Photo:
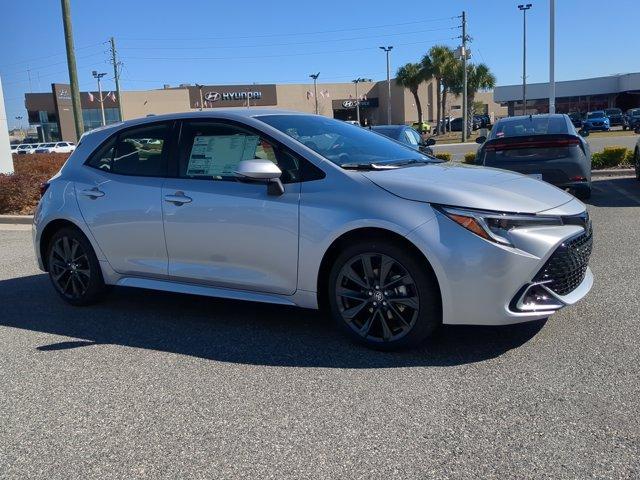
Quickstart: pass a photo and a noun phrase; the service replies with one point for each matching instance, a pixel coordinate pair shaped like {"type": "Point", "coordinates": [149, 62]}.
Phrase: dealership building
{"type": "Point", "coordinates": [589, 94]}
{"type": "Point", "coordinates": [52, 113]}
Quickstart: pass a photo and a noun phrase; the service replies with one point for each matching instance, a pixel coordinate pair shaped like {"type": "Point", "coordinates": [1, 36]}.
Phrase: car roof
{"type": "Point", "coordinates": [237, 113]}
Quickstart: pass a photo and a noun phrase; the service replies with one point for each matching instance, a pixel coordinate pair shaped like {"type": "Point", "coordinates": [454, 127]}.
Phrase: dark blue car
{"type": "Point", "coordinates": [597, 120]}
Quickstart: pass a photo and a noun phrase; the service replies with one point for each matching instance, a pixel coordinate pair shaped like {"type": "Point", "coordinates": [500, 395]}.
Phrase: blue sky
{"type": "Point", "coordinates": [215, 42]}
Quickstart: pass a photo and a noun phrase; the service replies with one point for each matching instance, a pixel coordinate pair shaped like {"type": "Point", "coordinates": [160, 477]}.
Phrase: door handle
{"type": "Point", "coordinates": [178, 198]}
{"type": "Point", "coordinates": [92, 193]}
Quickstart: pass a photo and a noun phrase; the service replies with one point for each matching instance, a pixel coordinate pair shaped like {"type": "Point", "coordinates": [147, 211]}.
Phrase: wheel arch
{"type": "Point", "coordinates": [359, 235]}
{"type": "Point", "coordinates": [47, 233]}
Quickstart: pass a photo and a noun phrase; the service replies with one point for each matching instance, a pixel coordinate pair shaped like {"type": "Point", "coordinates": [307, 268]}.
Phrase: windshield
{"type": "Point", "coordinates": [342, 143]}
{"type": "Point", "coordinates": [518, 126]}
{"type": "Point", "coordinates": [595, 115]}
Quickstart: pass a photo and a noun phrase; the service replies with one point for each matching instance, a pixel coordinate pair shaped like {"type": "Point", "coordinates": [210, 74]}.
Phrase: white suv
{"type": "Point", "coordinates": [58, 147]}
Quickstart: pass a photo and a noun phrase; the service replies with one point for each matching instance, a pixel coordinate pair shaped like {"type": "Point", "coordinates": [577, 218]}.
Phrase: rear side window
{"type": "Point", "coordinates": [529, 126]}
{"type": "Point", "coordinates": [138, 151]}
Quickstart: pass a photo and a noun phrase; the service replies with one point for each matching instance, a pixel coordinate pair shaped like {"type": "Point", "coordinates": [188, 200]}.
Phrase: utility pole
{"type": "Point", "coordinates": [201, 98]}
{"type": "Point", "coordinates": [464, 77]}
{"type": "Point", "coordinates": [116, 75]}
{"type": "Point", "coordinates": [73, 71]}
{"type": "Point", "coordinates": [524, 9]}
{"type": "Point", "coordinates": [552, 56]}
{"type": "Point", "coordinates": [315, 76]}
{"type": "Point", "coordinates": [387, 50]}
{"type": "Point", "coordinates": [29, 75]}
{"type": "Point", "coordinates": [100, 99]}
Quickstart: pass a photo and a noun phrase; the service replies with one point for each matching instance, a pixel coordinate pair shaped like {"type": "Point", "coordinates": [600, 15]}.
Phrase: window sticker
{"type": "Point", "coordinates": [219, 155]}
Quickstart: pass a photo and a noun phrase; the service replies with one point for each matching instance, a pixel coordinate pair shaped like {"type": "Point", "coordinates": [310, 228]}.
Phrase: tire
{"type": "Point", "coordinates": [584, 193]}
{"type": "Point", "coordinates": [73, 267]}
{"type": "Point", "coordinates": [637, 164]}
{"type": "Point", "coordinates": [388, 310]}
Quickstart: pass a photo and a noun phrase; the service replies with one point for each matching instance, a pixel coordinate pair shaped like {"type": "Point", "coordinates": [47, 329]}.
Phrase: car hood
{"type": "Point", "coordinates": [470, 186]}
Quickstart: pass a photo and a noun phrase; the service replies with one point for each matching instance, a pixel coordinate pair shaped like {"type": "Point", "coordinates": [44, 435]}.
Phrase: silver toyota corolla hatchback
{"type": "Point", "coordinates": [298, 209]}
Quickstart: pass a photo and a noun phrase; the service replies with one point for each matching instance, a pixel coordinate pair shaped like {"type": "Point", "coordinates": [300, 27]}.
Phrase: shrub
{"type": "Point", "coordinates": [611, 157]}
{"type": "Point", "coordinates": [470, 157]}
{"type": "Point", "coordinates": [20, 191]}
{"type": "Point", "coordinates": [444, 156]}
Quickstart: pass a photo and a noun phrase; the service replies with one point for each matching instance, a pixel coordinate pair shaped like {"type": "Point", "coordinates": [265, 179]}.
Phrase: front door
{"type": "Point", "coordinates": [119, 194]}
{"type": "Point", "coordinates": [225, 232]}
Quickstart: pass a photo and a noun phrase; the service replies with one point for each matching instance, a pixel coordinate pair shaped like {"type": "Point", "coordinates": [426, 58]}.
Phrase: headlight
{"type": "Point", "coordinates": [495, 226]}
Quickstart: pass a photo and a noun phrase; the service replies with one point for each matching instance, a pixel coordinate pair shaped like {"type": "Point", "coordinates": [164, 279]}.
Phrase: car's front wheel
{"type": "Point", "coordinates": [74, 268]}
{"type": "Point", "coordinates": [384, 296]}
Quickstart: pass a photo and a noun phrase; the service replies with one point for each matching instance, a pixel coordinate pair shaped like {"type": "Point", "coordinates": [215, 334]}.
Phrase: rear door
{"type": "Point", "coordinates": [119, 191]}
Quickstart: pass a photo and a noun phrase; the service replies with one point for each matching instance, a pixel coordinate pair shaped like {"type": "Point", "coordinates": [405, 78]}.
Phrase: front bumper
{"type": "Point", "coordinates": [479, 280]}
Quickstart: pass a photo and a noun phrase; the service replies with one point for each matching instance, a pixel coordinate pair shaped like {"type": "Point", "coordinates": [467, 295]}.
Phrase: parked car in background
{"type": "Point", "coordinates": [576, 119]}
{"type": "Point", "coordinates": [423, 127]}
{"type": "Point", "coordinates": [456, 124]}
{"type": "Point", "coordinates": [484, 121]}
{"type": "Point", "coordinates": [596, 120]}
{"type": "Point", "coordinates": [546, 147]}
{"type": "Point", "coordinates": [633, 118]}
{"type": "Point", "coordinates": [615, 116]}
{"type": "Point", "coordinates": [56, 147]}
{"type": "Point", "coordinates": [407, 136]}
{"type": "Point", "coordinates": [27, 148]}
{"type": "Point", "coordinates": [636, 157]}
{"type": "Point", "coordinates": [298, 209]}
{"type": "Point", "coordinates": [14, 147]}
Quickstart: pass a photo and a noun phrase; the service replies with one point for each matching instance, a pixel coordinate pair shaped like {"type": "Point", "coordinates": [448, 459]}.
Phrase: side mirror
{"type": "Point", "coordinates": [583, 132]}
{"type": "Point", "coordinates": [261, 171]}
{"type": "Point", "coordinates": [481, 139]}
{"type": "Point", "coordinates": [430, 141]}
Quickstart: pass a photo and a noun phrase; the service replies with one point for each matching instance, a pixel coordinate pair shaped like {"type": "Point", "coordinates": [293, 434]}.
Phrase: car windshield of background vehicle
{"type": "Point", "coordinates": [522, 126]}
{"type": "Point", "coordinates": [342, 143]}
{"type": "Point", "coordinates": [595, 115]}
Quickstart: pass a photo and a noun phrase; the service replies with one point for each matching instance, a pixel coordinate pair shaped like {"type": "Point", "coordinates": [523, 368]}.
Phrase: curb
{"type": "Point", "coordinates": [16, 219]}
{"type": "Point", "coordinates": [613, 172]}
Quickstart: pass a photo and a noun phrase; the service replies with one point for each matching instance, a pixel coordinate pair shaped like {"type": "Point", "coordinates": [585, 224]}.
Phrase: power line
{"type": "Point", "coordinates": [287, 54]}
{"type": "Point", "coordinates": [312, 42]}
{"type": "Point", "coordinates": [288, 34]}
{"type": "Point", "coordinates": [29, 60]}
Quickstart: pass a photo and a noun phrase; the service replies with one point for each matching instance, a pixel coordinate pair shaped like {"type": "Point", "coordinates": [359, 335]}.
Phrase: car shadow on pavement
{"type": "Point", "coordinates": [615, 192]}
{"type": "Point", "coordinates": [231, 331]}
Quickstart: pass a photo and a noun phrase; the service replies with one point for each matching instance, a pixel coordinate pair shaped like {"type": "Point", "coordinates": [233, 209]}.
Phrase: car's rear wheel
{"type": "Point", "coordinates": [383, 296]}
{"type": "Point", "coordinates": [74, 268]}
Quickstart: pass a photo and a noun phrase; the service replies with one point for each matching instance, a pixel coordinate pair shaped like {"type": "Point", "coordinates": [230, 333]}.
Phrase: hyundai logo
{"type": "Point", "coordinates": [231, 96]}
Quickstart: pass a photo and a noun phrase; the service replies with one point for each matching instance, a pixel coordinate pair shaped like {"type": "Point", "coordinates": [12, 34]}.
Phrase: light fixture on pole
{"type": "Point", "coordinates": [524, 9]}
{"type": "Point", "coordinates": [19, 119]}
{"type": "Point", "coordinates": [98, 76]}
{"type": "Point", "coordinates": [315, 76]}
{"type": "Point", "coordinates": [387, 50]}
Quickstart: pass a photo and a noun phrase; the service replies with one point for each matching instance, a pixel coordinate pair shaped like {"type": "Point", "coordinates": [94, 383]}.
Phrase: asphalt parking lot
{"type": "Point", "coordinates": [155, 385]}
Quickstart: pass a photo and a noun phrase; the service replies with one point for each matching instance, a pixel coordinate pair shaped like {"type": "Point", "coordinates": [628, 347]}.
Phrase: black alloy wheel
{"type": "Point", "coordinates": [383, 296]}
{"type": "Point", "coordinates": [74, 268]}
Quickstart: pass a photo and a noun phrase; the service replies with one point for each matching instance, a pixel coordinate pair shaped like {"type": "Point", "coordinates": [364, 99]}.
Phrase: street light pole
{"type": "Point", "coordinates": [100, 99]}
{"type": "Point", "coordinates": [315, 88]}
{"type": "Point", "coordinates": [552, 56]}
{"type": "Point", "coordinates": [387, 50]}
{"type": "Point", "coordinates": [524, 9]}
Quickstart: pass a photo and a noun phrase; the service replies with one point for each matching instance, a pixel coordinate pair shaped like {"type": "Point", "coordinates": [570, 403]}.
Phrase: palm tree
{"type": "Point", "coordinates": [441, 61]}
{"type": "Point", "coordinates": [479, 77]}
{"type": "Point", "coordinates": [410, 76]}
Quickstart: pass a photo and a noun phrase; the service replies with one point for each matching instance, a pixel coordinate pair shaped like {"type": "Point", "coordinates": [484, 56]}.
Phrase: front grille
{"type": "Point", "coordinates": [567, 266]}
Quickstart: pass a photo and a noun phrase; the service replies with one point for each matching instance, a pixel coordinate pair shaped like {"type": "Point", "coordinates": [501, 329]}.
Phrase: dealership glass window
{"type": "Point", "coordinates": [140, 152]}
{"type": "Point", "coordinates": [92, 117]}
{"type": "Point", "coordinates": [212, 151]}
